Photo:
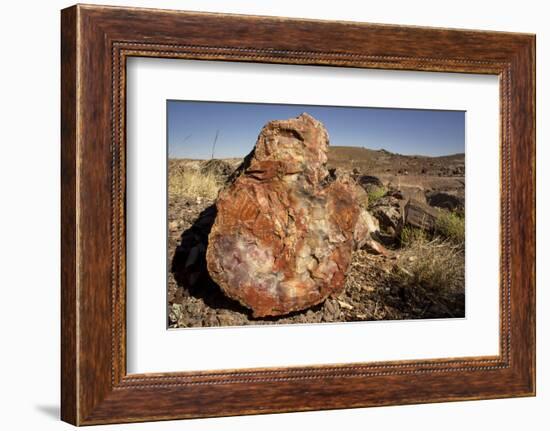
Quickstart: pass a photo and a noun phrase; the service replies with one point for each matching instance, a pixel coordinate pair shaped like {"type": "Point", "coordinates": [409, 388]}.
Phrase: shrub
{"type": "Point", "coordinates": [375, 193]}
{"type": "Point", "coordinates": [193, 183]}
{"type": "Point", "coordinates": [451, 226]}
{"type": "Point", "coordinates": [411, 235]}
{"type": "Point", "coordinates": [430, 272]}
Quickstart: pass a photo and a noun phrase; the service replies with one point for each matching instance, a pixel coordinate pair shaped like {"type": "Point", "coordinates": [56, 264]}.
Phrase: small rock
{"type": "Point", "coordinates": [330, 307]}
{"type": "Point", "coordinates": [403, 270]}
{"type": "Point", "coordinates": [345, 305]}
{"type": "Point", "coordinates": [375, 247]}
{"type": "Point", "coordinates": [211, 320]}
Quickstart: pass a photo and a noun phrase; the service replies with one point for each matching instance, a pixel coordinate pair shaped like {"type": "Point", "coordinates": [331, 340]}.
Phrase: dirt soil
{"type": "Point", "coordinates": [364, 298]}
{"type": "Point", "coordinates": [368, 293]}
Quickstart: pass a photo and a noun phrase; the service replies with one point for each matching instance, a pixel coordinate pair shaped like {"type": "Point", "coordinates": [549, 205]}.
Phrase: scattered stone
{"type": "Point", "coordinates": [284, 232]}
{"type": "Point", "coordinates": [192, 305]}
{"type": "Point", "coordinates": [175, 313]}
{"type": "Point", "coordinates": [459, 170]}
{"type": "Point", "coordinates": [375, 247]}
{"type": "Point", "coordinates": [331, 307]}
{"type": "Point", "coordinates": [345, 305]}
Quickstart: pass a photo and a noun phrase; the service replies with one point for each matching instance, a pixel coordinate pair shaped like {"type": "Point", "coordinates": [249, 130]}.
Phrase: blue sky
{"type": "Point", "coordinates": [192, 128]}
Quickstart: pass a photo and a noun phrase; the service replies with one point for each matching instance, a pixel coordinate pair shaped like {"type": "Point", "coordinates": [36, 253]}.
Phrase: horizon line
{"type": "Point", "coordinates": [330, 146]}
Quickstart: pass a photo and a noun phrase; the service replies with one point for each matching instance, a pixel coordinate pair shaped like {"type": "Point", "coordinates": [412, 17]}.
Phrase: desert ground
{"type": "Point", "coordinates": [418, 273]}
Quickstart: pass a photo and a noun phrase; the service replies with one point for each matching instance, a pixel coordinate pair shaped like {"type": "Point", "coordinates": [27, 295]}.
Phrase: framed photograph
{"type": "Point", "coordinates": [264, 214]}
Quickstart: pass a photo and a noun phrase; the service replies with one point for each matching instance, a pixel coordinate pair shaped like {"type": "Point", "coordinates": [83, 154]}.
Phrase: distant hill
{"type": "Point", "coordinates": [382, 161]}
{"type": "Point", "coordinates": [376, 162]}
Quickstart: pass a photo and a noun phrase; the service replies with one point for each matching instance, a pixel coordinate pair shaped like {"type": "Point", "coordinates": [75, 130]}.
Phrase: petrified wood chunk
{"type": "Point", "coordinates": [284, 231]}
{"type": "Point", "coordinates": [420, 215]}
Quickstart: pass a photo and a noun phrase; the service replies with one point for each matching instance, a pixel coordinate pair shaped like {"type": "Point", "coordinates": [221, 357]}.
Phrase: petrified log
{"type": "Point", "coordinates": [285, 230]}
{"type": "Point", "coordinates": [420, 215]}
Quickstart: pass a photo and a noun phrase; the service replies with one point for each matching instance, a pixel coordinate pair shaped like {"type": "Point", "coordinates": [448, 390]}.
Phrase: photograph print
{"type": "Point", "coordinates": [283, 214]}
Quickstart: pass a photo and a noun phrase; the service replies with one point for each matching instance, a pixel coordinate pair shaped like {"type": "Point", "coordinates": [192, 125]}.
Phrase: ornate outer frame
{"type": "Point", "coordinates": [96, 41]}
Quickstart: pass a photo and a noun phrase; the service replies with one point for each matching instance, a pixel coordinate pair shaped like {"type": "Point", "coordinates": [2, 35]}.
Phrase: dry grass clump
{"type": "Point", "coordinates": [411, 236]}
{"type": "Point", "coordinates": [193, 183]}
{"type": "Point", "coordinates": [433, 265]}
{"type": "Point", "coordinates": [430, 272]}
{"type": "Point", "coordinates": [451, 226]}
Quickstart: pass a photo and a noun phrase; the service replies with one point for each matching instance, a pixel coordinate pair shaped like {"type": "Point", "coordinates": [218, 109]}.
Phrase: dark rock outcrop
{"type": "Point", "coordinates": [420, 215]}
{"type": "Point", "coordinates": [447, 200]}
{"type": "Point", "coordinates": [369, 181]}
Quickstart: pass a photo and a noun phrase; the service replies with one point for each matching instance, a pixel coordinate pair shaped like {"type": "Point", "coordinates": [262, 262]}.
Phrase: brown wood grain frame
{"type": "Point", "coordinates": [96, 41]}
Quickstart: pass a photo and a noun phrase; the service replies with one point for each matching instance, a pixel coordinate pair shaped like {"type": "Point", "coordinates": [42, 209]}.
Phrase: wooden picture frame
{"type": "Point", "coordinates": [95, 43]}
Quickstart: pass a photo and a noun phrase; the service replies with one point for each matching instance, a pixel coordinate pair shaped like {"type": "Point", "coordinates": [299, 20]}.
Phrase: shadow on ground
{"type": "Point", "coordinates": [189, 265]}
{"type": "Point", "coordinates": [52, 411]}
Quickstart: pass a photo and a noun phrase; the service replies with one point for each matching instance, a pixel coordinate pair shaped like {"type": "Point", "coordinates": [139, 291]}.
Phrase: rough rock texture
{"type": "Point", "coordinates": [447, 200]}
{"type": "Point", "coordinates": [369, 182]}
{"type": "Point", "coordinates": [285, 230]}
{"type": "Point", "coordinates": [375, 247]}
{"type": "Point", "coordinates": [420, 215]}
{"type": "Point", "coordinates": [388, 210]}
